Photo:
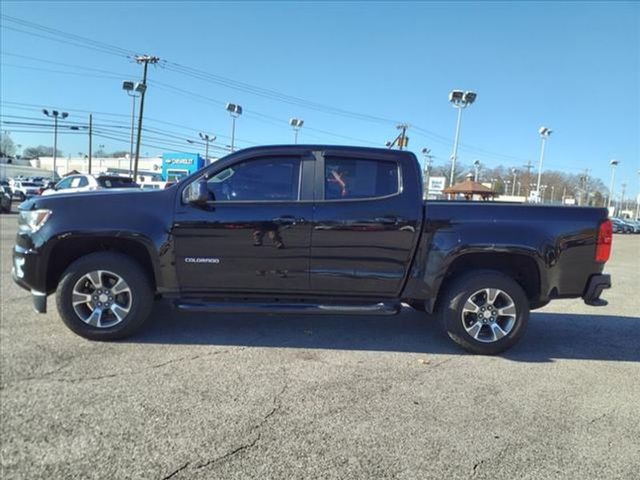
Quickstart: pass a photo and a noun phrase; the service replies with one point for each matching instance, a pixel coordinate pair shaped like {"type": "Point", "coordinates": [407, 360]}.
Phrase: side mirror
{"type": "Point", "coordinates": [198, 192]}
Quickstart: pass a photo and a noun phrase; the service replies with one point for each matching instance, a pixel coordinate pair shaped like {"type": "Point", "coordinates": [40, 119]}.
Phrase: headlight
{"type": "Point", "coordinates": [32, 220]}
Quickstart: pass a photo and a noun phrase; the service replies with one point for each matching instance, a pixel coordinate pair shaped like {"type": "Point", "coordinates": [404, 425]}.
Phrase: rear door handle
{"type": "Point", "coordinates": [387, 220]}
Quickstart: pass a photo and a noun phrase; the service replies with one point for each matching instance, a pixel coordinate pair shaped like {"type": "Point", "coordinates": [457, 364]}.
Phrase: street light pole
{"type": "Point", "coordinates": [55, 114]}
{"type": "Point", "coordinates": [90, 140]}
{"type": "Point", "coordinates": [614, 163]}
{"type": "Point", "coordinates": [235, 111]}
{"type": "Point", "coordinates": [544, 134]}
{"type": "Point", "coordinates": [130, 87]}
{"type": "Point", "coordinates": [296, 124]}
{"type": "Point", "coordinates": [459, 100]}
{"type": "Point", "coordinates": [207, 138]}
{"type": "Point", "coordinates": [476, 165]}
{"type": "Point", "coordinates": [515, 176]}
{"type": "Point", "coordinates": [638, 201]}
{"type": "Point", "coordinates": [428, 159]}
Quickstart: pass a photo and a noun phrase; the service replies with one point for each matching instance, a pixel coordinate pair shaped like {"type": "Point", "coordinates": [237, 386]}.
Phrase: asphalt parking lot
{"type": "Point", "coordinates": [237, 397]}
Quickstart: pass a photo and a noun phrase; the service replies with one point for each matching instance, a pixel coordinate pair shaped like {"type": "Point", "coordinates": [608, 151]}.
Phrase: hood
{"type": "Point", "coordinates": [119, 197]}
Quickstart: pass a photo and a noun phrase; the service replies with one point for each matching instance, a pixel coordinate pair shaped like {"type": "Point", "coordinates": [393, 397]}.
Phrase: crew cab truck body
{"type": "Point", "coordinates": [308, 229]}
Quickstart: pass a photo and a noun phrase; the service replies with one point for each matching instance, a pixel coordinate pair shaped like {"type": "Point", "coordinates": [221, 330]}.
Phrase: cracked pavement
{"type": "Point", "coordinates": [197, 396]}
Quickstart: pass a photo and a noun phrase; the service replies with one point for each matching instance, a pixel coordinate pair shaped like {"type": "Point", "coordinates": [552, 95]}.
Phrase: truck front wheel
{"type": "Point", "coordinates": [104, 296]}
{"type": "Point", "coordinates": [484, 312]}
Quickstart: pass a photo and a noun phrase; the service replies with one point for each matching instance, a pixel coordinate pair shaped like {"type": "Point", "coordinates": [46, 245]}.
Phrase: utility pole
{"type": "Point", "coordinates": [145, 60]}
{"type": "Point", "coordinates": [401, 140]}
{"type": "Point", "coordinates": [90, 139]}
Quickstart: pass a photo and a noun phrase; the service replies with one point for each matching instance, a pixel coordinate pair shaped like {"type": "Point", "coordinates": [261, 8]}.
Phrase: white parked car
{"type": "Point", "coordinates": [24, 189]}
{"type": "Point", "coordinates": [86, 183]}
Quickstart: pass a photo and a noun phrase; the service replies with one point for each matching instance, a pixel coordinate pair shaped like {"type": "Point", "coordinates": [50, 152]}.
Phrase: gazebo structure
{"type": "Point", "coordinates": [469, 188]}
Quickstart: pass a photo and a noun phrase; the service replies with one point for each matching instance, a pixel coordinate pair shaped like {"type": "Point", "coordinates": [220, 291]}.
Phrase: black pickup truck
{"type": "Point", "coordinates": [308, 229]}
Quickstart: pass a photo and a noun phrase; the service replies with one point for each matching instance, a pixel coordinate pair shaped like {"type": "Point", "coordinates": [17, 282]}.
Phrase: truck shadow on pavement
{"type": "Point", "coordinates": [550, 336]}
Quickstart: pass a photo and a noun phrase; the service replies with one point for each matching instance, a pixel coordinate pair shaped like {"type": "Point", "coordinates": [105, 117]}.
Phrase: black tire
{"type": "Point", "coordinates": [450, 311]}
{"type": "Point", "coordinates": [139, 283]}
{"type": "Point", "coordinates": [21, 197]}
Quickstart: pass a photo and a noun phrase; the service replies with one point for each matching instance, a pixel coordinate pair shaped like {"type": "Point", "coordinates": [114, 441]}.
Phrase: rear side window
{"type": "Point", "coordinates": [348, 178]}
{"type": "Point", "coordinates": [116, 182]}
{"type": "Point", "coordinates": [264, 179]}
{"type": "Point", "coordinates": [78, 182]}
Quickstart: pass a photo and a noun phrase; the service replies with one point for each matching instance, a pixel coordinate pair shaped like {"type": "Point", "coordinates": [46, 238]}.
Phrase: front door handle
{"type": "Point", "coordinates": [287, 220]}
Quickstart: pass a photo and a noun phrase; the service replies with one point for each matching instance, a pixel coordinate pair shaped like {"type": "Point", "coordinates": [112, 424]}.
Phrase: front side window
{"type": "Point", "coordinates": [265, 179]}
{"type": "Point", "coordinates": [348, 178]}
{"type": "Point", "coordinates": [64, 184]}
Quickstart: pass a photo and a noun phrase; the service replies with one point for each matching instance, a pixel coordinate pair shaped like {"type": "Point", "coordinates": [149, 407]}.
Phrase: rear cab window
{"type": "Point", "coordinates": [354, 178]}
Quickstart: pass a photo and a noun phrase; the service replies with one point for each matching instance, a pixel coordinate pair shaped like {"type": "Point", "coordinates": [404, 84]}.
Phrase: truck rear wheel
{"type": "Point", "coordinates": [484, 312]}
{"type": "Point", "coordinates": [104, 296]}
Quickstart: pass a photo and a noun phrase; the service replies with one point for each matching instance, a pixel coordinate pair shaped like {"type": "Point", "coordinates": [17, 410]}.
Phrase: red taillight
{"type": "Point", "coordinates": [605, 237]}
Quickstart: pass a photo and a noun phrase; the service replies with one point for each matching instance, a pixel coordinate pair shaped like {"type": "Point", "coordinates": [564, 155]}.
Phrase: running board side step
{"type": "Point", "coordinates": [381, 308]}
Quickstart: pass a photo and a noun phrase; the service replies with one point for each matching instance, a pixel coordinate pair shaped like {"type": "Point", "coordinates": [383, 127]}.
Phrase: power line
{"type": "Point", "coordinates": [79, 41]}
{"type": "Point", "coordinates": [71, 38]}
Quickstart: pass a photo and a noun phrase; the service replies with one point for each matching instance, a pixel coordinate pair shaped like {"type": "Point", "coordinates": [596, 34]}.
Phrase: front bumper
{"type": "Point", "coordinates": [27, 274]}
{"type": "Point", "coordinates": [595, 286]}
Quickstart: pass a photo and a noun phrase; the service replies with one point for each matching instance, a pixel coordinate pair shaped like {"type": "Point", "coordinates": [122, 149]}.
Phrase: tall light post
{"type": "Point", "coordinates": [638, 201]}
{"type": "Point", "coordinates": [515, 177]}
{"type": "Point", "coordinates": [131, 88]}
{"type": "Point", "coordinates": [459, 100]}
{"type": "Point", "coordinates": [428, 160]}
{"type": "Point", "coordinates": [206, 138]}
{"type": "Point", "coordinates": [544, 135]}
{"type": "Point", "coordinates": [235, 111]}
{"type": "Point", "coordinates": [614, 163]}
{"type": "Point", "coordinates": [55, 114]}
{"type": "Point", "coordinates": [296, 124]}
{"type": "Point", "coordinates": [476, 166]}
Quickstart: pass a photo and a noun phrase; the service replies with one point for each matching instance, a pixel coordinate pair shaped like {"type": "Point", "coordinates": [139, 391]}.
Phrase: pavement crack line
{"type": "Point", "coordinates": [477, 464]}
{"type": "Point", "coordinates": [277, 405]}
{"type": "Point", "coordinates": [175, 472]}
{"type": "Point", "coordinates": [47, 375]}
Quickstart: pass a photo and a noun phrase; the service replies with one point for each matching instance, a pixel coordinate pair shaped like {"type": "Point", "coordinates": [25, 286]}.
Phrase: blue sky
{"type": "Point", "coordinates": [574, 67]}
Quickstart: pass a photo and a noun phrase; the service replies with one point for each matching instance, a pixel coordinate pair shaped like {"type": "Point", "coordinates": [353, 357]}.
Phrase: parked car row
{"type": "Point", "coordinates": [25, 188]}
{"type": "Point", "coordinates": [5, 200]}
{"type": "Point", "coordinates": [87, 183]}
{"type": "Point", "coordinates": [625, 225]}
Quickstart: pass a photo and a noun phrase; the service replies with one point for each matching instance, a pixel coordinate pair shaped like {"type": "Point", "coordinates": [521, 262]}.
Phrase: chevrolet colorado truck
{"type": "Point", "coordinates": [308, 229]}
